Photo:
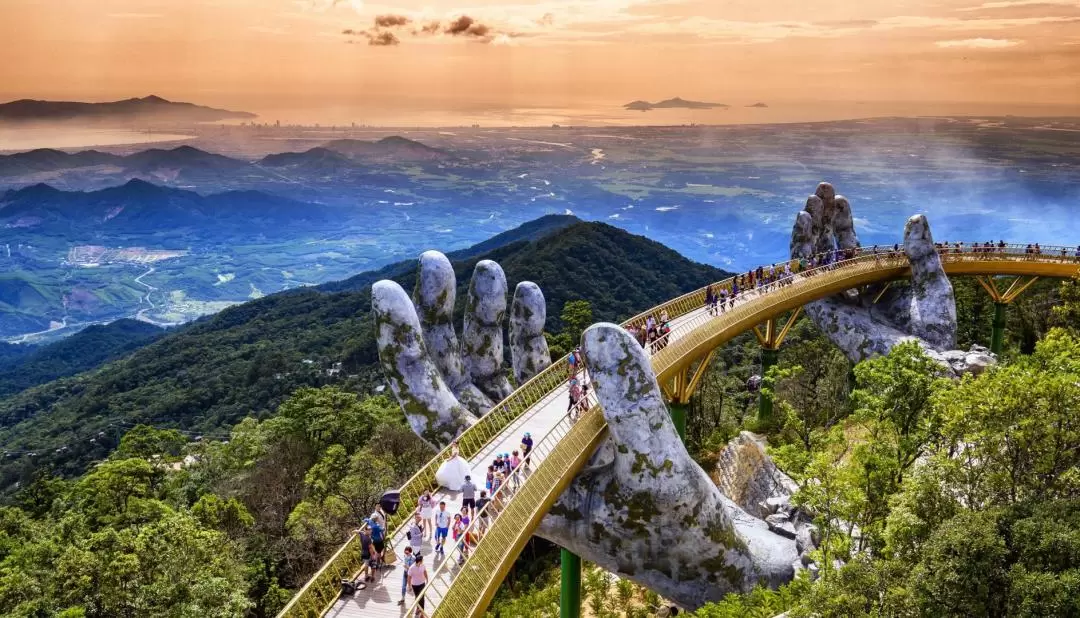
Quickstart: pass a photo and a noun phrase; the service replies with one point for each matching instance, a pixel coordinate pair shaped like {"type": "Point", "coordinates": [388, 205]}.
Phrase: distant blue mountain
{"type": "Point", "coordinates": [141, 109]}
{"type": "Point", "coordinates": [142, 207]}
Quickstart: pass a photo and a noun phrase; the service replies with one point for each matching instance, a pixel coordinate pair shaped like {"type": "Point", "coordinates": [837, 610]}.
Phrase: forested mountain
{"type": "Point", "coordinates": [140, 207]}
{"type": "Point", "coordinates": [80, 352]}
{"type": "Point", "coordinates": [247, 359]}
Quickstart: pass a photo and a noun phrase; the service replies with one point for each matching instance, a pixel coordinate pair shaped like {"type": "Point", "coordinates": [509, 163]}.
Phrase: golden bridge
{"type": "Point", "coordinates": [564, 445]}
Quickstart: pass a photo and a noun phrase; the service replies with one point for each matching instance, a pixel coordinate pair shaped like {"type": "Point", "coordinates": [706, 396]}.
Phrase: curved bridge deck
{"type": "Point", "coordinates": [562, 447]}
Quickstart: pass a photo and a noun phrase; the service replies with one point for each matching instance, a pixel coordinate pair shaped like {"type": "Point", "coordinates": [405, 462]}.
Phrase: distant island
{"type": "Point", "coordinates": [759, 104]}
{"type": "Point", "coordinates": [147, 108]}
{"type": "Point", "coordinates": [676, 103]}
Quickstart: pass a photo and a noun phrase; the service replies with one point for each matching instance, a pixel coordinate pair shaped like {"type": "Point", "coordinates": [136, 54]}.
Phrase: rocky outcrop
{"type": "Point", "coordinates": [482, 333]}
{"type": "Point", "coordinates": [644, 509]}
{"type": "Point", "coordinates": [528, 347]}
{"type": "Point", "coordinates": [747, 475]}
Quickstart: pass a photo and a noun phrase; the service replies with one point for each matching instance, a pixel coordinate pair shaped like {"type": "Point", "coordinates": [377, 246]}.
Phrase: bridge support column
{"type": "Point", "coordinates": [570, 591]}
{"type": "Point", "coordinates": [678, 417]}
{"type": "Point", "coordinates": [1001, 306]}
{"type": "Point", "coordinates": [770, 339]}
{"type": "Point", "coordinates": [997, 335]}
{"type": "Point", "coordinates": [678, 390]}
{"type": "Point", "coordinates": [769, 357]}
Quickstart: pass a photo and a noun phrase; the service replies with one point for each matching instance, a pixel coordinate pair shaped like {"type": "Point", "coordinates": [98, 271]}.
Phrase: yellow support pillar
{"type": "Point", "coordinates": [1002, 300]}
{"type": "Point", "coordinates": [770, 339]}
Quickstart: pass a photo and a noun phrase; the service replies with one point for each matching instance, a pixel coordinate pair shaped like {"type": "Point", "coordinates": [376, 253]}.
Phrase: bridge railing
{"type": "Point", "coordinates": [323, 589]}
{"type": "Point", "coordinates": [448, 569]}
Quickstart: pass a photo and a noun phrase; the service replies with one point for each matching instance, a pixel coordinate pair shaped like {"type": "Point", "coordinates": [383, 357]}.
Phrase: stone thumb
{"type": "Point", "coordinates": [649, 452]}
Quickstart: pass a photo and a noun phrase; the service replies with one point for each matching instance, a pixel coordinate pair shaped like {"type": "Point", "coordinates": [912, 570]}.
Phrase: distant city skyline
{"type": "Point", "coordinates": [555, 59]}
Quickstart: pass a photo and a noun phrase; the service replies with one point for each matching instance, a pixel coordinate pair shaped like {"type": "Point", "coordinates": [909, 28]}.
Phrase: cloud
{"type": "Point", "coordinates": [980, 43]}
{"type": "Point", "coordinates": [383, 38]}
{"type": "Point", "coordinates": [134, 15]}
{"type": "Point", "coordinates": [467, 26]}
{"type": "Point", "coordinates": [391, 21]}
{"type": "Point", "coordinates": [1009, 4]}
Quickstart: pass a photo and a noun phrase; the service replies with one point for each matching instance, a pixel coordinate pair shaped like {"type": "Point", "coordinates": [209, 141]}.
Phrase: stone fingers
{"type": "Point", "coordinates": [932, 311]}
{"type": "Point", "coordinates": [433, 296]}
{"type": "Point", "coordinates": [428, 403]}
{"type": "Point", "coordinates": [528, 349]}
{"type": "Point", "coordinates": [482, 335]}
{"type": "Point", "coordinates": [843, 224]}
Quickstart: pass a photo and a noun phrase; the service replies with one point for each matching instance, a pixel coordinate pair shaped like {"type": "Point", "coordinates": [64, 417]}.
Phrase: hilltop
{"type": "Point", "coordinates": [137, 109]}
{"type": "Point", "coordinates": [675, 103]}
{"type": "Point", "coordinates": [393, 147]}
{"type": "Point", "coordinates": [247, 359]}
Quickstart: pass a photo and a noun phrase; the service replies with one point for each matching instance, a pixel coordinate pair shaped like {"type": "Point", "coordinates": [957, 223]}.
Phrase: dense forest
{"type": "Point", "coordinates": [246, 360]}
{"type": "Point", "coordinates": [28, 366]}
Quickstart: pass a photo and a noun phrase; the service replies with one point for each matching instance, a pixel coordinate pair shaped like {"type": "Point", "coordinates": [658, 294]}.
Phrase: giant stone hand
{"type": "Point", "coordinates": [642, 508]}
{"type": "Point", "coordinates": [925, 310]}
{"type": "Point", "coordinates": [441, 385]}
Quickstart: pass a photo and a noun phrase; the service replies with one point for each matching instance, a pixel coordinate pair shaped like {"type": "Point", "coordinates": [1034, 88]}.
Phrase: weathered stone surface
{"type": "Point", "coordinates": [482, 334]}
{"type": "Point", "coordinates": [924, 311]}
{"type": "Point", "coordinates": [643, 509]}
{"type": "Point", "coordinates": [932, 312]}
{"type": "Point", "coordinates": [433, 297]}
{"type": "Point", "coordinates": [807, 539]}
{"type": "Point", "coordinates": [746, 474]}
{"type": "Point", "coordinates": [528, 348]}
{"type": "Point", "coordinates": [429, 405]}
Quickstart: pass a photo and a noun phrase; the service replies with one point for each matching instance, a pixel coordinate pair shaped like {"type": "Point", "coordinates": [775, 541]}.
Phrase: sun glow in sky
{"type": "Point", "coordinates": [267, 54]}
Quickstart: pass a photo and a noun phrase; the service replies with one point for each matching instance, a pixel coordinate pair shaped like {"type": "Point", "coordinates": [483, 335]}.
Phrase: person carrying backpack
{"type": "Point", "coordinates": [482, 515]}
{"type": "Point", "coordinates": [415, 534]}
{"type": "Point", "coordinates": [377, 542]}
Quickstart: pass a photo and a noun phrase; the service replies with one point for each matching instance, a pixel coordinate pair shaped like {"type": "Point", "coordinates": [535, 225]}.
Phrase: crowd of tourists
{"type": "Point", "coordinates": [444, 530]}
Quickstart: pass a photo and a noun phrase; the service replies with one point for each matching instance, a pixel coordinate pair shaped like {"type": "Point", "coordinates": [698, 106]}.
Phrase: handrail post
{"type": "Point", "coordinates": [570, 589]}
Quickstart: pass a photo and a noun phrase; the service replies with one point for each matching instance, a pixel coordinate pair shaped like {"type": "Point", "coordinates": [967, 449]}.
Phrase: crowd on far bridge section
{"type": "Point", "coordinates": [653, 331]}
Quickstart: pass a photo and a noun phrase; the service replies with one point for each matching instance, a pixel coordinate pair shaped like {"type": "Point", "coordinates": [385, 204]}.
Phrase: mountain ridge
{"type": "Point", "coordinates": [150, 107]}
{"type": "Point", "coordinates": [138, 206]}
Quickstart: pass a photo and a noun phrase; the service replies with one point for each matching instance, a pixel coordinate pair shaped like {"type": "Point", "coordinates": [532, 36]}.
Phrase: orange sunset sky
{"type": "Point", "coordinates": [266, 54]}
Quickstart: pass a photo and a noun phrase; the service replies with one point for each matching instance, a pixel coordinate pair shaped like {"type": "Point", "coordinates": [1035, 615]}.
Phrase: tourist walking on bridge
{"type": "Point", "coordinates": [407, 561]}
{"type": "Point", "coordinates": [427, 513]}
{"type": "Point", "coordinates": [442, 528]}
{"type": "Point", "coordinates": [418, 578]}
